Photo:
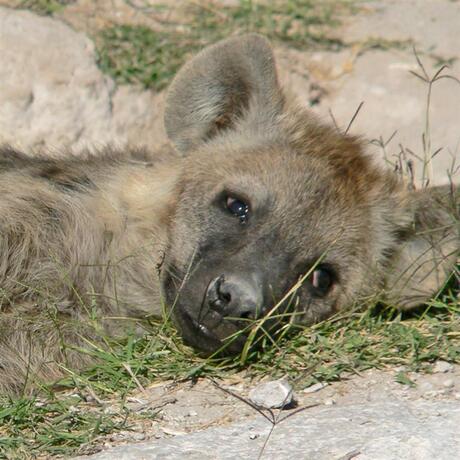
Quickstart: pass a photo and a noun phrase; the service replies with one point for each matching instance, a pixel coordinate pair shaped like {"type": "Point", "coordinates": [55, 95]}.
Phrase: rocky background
{"type": "Point", "coordinates": [54, 95]}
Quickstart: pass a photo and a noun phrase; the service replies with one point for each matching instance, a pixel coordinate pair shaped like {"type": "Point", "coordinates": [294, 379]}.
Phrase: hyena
{"type": "Point", "coordinates": [256, 194]}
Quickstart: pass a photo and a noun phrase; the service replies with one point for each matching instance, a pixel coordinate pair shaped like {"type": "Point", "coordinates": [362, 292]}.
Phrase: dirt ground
{"type": "Point", "coordinates": [184, 408]}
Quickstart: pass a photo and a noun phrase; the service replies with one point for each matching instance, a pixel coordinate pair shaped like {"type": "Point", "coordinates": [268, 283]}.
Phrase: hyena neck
{"type": "Point", "coordinates": [137, 202]}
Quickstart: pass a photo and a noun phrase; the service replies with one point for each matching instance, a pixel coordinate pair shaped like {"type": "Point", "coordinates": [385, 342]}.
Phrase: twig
{"type": "Point", "coordinates": [353, 118]}
{"type": "Point", "coordinates": [272, 419]}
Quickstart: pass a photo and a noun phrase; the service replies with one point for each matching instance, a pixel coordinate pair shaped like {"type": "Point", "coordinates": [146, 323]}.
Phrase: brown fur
{"type": "Point", "coordinates": [82, 239]}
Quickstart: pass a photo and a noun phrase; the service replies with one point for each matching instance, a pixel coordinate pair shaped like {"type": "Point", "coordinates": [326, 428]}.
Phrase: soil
{"type": "Point", "coordinates": [184, 408]}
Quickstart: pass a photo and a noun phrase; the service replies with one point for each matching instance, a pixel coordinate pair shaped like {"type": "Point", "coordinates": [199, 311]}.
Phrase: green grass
{"type": "Point", "coordinates": [56, 427]}
{"type": "Point", "coordinates": [138, 55]}
{"type": "Point", "coordinates": [43, 7]}
{"type": "Point", "coordinates": [63, 423]}
{"type": "Point", "coordinates": [150, 58]}
{"type": "Point", "coordinates": [373, 339]}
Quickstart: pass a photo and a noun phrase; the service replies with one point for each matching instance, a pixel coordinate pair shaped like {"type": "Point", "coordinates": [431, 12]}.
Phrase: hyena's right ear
{"type": "Point", "coordinates": [232, 80]}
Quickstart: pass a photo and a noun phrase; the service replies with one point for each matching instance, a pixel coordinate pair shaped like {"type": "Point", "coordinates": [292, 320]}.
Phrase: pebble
{"type": "Point", "coordinates": [127, 436]}
{"type": "Point", "coordinates": [329, 402]}
{"type": "Point", "coordinates": [272, 395]}
{"type": "Point", "coordinates": [449, 383]}
{"type": "Point", "coordinates": [315, 387]}
{"type": "Point", "coordinates": [172, 431]}
{"type": "Point", "coordinates": [425, 386]}
{"type": "Point", "coordinates": [441, 367]}
{"type": "Point", "coordinates": [434, 393]}
{"type": "Point", "coordinates": [400, 369]}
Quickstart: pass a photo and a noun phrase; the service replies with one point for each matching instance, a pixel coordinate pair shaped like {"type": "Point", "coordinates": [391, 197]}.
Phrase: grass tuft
{"type": "Point", "coordinates": [149, 58]}
{"type": "Point", "coordinates": [43, 7]}
{"type": "Point", "coordinates": [32, 427]}
{"type": "Point", "coordinates": [138, 55]}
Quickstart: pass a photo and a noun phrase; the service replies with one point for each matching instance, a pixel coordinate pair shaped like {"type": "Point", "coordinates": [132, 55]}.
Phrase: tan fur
{"type": "Point", "coordinates": [83, 241]}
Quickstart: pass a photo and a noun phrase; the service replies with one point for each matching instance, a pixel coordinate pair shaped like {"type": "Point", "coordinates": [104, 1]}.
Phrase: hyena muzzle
{"type": "Point", "coordinates": [256, 195]}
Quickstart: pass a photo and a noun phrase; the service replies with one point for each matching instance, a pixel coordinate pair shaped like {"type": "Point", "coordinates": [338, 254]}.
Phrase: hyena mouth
{"type": "Point", "coordinates": [217, 336]}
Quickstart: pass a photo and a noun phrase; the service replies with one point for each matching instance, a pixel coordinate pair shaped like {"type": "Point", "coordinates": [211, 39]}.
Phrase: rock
{"type": "Point", "coordinates": [434, 394]}
{"type": "Point", "coordinates": [315, 387]}
{"type": "Point", "coordinates": [272, 395]}
{"type": "Point", "coordinates": [394, 99]}
{"type": "Point", "coordinates": [441, 367]}
{"type": "Point", "coordinates": [432, 27]}
{"type": "Point", "coordinates": [425, 386]}
{"type": "Point", "coordinates": [329, 402]}
{"type": "Point", "coordinates": [387, 430]}
{"type": "Point", "coordinates": [53, 95]}
{"type": "Point", "coordinates": [129, 436]}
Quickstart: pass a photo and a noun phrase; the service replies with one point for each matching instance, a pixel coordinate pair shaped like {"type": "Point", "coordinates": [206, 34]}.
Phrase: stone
{"type": "Point", "coordinates": [442, 367]}
{"type": "Point", "coordinates": [329, 402]}
{"type": "Point", "coordinates": [272, 395]}
{"type": "Point", "coordinates": [394, 99]}
{"type": "Point", "coordinates": [315, 387]}
{"type": "Point", "coordinates": [53, 95]}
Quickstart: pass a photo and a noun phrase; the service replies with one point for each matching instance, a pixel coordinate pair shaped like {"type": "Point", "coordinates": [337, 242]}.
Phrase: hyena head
{"type": "Point", "coordinates": [270, 196]}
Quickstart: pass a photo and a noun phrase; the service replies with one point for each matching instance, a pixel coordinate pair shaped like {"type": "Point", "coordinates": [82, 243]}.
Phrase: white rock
{"type": "Point", "coordinates": [272, 395]}
{"type": "Point", "coordinates": [441, 367]}
{"type": "Point", "coordinates": [315, 387]}
{"type": "Point", "coordinates": [434, 393]}
{"type": "Point", "coordinates": [425, 386]}
{"type": "Point", "coordinates": [53, 95]}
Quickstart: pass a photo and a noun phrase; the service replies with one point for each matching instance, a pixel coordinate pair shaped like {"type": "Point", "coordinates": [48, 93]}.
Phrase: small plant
{"type": "Point", "coordinates": [43, 7]}
{"type": "Point", "coordinates": [139, 55]}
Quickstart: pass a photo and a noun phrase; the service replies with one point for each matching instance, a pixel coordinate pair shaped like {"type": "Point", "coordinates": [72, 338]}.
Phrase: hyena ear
{"type": "Point", "coordinates": [428, 251]}
{"type": "Point", "coordinates": [226, 82]}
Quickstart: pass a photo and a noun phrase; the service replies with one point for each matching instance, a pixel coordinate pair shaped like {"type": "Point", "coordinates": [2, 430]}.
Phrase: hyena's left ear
{"type": "Point", "coordinates": [428, 250]}
{"type": "Point", "coordinates": [226, 82]}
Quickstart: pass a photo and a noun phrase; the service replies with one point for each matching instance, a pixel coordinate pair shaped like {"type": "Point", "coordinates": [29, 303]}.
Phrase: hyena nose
{"type": "Point", "coordinates": [235, 296]}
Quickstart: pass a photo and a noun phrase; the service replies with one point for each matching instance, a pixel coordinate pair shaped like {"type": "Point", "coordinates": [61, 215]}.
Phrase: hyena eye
{"type": "Point", "coordinates": [321, 280]}
{"type": "Point", "coordinates": [238, 208]}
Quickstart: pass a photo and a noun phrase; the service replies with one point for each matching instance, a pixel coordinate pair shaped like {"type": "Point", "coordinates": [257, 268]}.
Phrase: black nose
{"type": "Point", "coordinates": [235, 296]}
